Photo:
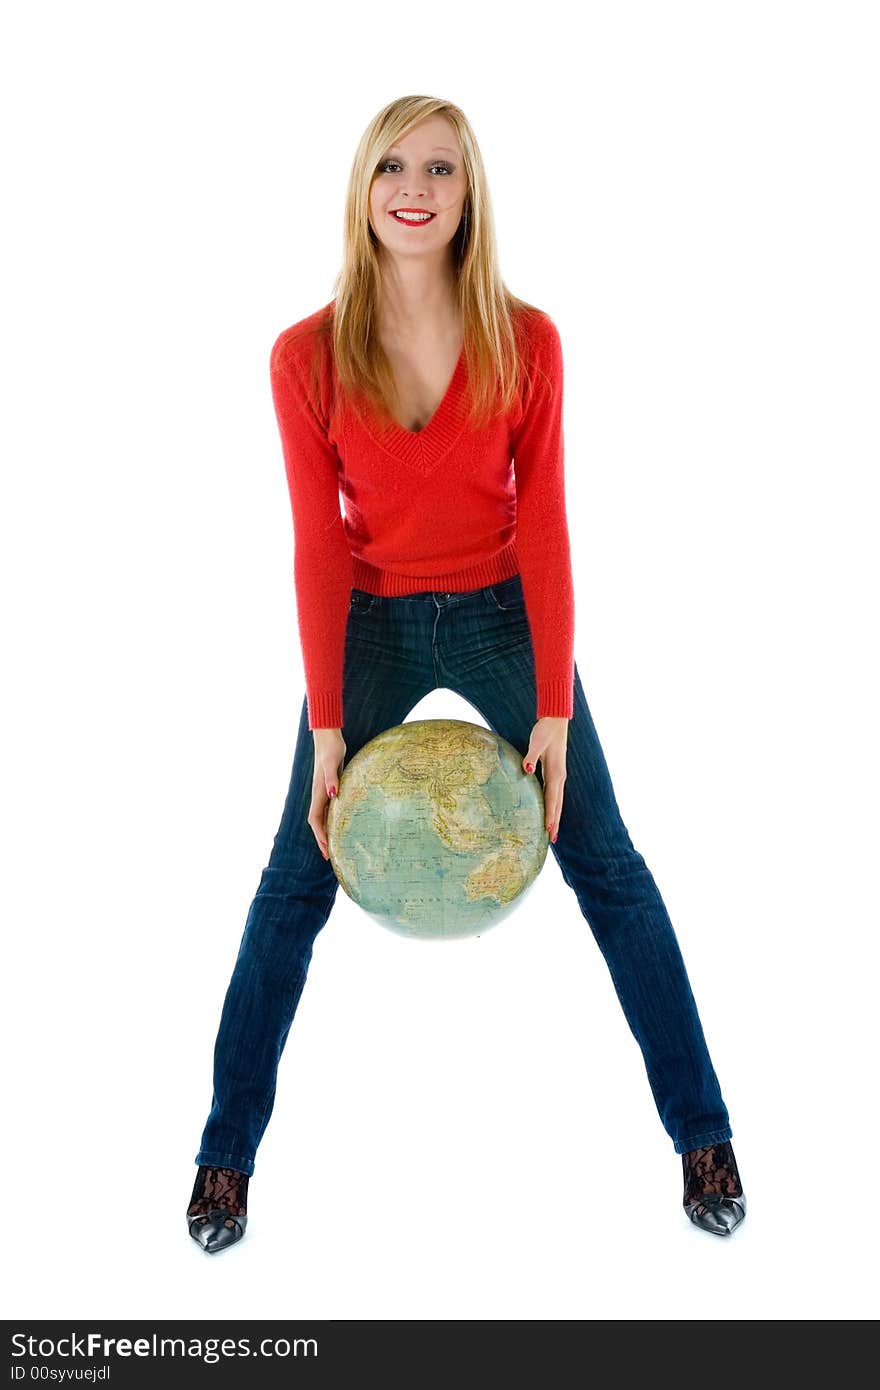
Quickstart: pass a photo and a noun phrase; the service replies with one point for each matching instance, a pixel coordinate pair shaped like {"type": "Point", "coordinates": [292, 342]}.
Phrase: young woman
{"type": "Point", "coordinates": [431, 397]}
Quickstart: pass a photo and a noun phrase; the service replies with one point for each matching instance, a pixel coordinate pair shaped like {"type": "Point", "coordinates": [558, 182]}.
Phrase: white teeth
{"type": "Point", "coordinates": [414, 216]}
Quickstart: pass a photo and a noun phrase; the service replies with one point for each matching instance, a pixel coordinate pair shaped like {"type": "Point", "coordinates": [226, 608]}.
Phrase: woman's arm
{"type": "Point", "coordinates": [322, 562]}
{"type": "Point", "coordinates": [542, 541]}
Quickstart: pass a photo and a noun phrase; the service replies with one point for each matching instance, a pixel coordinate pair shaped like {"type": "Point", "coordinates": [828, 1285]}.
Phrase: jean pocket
{"type": "Point", "coordinates": [508, 595]}
{"type": "Point", "coordinates": [361, 601]}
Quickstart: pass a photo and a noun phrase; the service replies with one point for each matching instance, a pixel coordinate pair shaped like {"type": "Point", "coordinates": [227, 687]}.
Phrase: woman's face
{"type": "Point", "coordinates": [423, 171]}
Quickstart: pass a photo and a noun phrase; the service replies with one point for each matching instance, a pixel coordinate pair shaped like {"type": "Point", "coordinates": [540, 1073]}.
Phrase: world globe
{"type": "Point", "coordinates": [436, 830]}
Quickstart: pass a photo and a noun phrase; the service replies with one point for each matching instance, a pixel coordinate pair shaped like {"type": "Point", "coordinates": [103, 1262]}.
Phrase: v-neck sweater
{"type": "Point", "coordinates": [446, 508]}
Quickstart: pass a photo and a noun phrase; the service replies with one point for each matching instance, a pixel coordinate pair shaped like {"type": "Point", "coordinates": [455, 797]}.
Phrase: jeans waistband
{"type": "Point", "coordinates": [444, 598]}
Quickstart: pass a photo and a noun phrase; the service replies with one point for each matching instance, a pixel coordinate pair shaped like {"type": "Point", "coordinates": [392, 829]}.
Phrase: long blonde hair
{"type": "Point", "coordinates": [494, 340]}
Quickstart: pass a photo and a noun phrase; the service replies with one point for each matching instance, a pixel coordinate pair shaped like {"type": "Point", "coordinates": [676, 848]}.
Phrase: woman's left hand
{"type": "Point", "coordinates": [549, 743]}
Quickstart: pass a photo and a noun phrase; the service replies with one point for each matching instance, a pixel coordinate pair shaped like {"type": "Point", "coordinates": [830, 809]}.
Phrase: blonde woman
{"type": "Point", "coordinates": [430, 397]}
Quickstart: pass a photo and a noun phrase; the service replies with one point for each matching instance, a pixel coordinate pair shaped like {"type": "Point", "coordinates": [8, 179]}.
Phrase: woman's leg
{"type": "Point", "coordinates": [293, 901]}
{"type": "Point", "coordinates": [489, 660]}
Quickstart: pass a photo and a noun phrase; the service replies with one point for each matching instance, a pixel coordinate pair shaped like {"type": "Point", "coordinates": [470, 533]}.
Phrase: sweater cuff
{"type": "Point", "coordinates": [555, 699]}
{"type": "Point", "coordinates": [325, 709]}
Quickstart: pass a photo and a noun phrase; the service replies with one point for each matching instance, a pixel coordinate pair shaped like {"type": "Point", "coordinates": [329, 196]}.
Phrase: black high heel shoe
{"type": "Point", "coordinates": [217, 1212]}
{"type": "Point", "coordinates": [713, 1196]}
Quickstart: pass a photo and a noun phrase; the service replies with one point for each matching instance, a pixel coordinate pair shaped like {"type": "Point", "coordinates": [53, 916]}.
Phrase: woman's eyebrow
{"type": "Point", "coordinates": [445, 148]}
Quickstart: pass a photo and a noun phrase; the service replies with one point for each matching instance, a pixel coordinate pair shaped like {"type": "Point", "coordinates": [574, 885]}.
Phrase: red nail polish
{"type": "Point", "coordinates": [332, 791]}
{"type": "Point", "coordinates": [529, 767]}
{"type": "Point", "coordinates": [556, 837]}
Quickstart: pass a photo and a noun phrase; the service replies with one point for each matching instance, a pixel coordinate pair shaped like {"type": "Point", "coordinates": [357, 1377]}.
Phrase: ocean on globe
{"type": "Point", "coordinates": [436, 830]}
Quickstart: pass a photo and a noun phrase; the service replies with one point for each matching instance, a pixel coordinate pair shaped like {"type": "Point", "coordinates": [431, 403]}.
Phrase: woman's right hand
{"type": "Point", "coordinates": [329, 757]}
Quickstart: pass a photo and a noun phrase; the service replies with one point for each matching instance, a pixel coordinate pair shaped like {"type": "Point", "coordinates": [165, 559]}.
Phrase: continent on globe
{"type": "Point", "coordinates": [436, 830]}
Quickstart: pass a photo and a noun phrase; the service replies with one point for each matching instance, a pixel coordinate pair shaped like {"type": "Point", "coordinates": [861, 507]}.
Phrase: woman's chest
{"type": "Point", "coordinates": [422, 378]}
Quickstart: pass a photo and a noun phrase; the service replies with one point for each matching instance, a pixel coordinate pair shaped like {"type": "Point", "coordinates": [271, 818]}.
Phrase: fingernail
{"type": "Point", "coordinates": [332, 791]}
{"type": "Point", "coordinates": [556, 837]}
{"type": "Point", "coordinates": [529, 767]}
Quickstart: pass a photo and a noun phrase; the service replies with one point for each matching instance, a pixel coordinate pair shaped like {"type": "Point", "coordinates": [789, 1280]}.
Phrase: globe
{"type": "Point", "coordinates": [436, 830]}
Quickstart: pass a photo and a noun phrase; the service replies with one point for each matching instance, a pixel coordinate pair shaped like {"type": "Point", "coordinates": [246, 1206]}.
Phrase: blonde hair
{"type": "Point", "coordinates": [494, 339]}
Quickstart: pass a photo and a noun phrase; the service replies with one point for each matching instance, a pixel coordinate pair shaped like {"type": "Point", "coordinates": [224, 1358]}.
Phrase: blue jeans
{"type": "Point", "coordinates": [479, 645]}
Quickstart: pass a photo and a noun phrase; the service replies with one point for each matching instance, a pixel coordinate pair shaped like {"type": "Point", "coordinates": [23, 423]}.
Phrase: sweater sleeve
{"type": "Point", "coordinates": [322, 561]}
{"type": "Point", "coordinates": [542, 540]}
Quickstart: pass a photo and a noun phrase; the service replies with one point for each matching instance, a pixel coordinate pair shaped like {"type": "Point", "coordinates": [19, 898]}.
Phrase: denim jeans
{"type": "Point", "coordinates": [478, 644]}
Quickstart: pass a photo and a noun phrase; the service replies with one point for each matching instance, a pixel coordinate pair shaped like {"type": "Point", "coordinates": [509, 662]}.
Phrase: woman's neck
{"type": "Point", "coordinates": [418, 304]}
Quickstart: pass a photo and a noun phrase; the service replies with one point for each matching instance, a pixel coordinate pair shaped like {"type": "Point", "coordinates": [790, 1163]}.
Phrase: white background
{"type": "Point", "coordinates": [462, 1130]}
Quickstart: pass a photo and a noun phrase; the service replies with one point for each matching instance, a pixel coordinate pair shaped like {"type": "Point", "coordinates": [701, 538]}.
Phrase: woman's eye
{"type": "Point", "coordinates": [385, 166]}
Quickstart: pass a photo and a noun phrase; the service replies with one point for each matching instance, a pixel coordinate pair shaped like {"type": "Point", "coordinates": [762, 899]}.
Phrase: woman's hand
{"type": "Point", "coordinates": [549, 743]}
{"type": "Point", "coordinates": [329, 757]}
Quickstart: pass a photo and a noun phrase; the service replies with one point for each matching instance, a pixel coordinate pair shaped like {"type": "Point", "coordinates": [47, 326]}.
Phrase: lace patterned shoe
{"type": "Point", "coordinates": [713, 1195]}
{"type": "Point", "coordinates": [217, 1212]}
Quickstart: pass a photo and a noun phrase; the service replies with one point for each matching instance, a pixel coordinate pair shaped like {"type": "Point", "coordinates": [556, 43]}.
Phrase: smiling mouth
{"type": "Point", "coordinates": [413, 219]}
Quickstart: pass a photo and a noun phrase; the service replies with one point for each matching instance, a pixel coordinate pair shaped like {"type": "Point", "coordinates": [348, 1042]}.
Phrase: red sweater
{"type": "Point", "coordinates": [442, 508]}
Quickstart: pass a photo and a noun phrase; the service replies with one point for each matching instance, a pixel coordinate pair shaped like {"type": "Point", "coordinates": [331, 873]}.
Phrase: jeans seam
{"type": "Point", "coordinates": [693, 1141]}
